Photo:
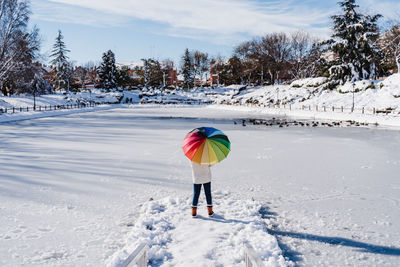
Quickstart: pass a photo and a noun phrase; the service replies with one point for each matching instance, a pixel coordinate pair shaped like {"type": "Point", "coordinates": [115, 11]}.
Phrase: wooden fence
{"type": "Point", "coordinates": [46, 108]}
{"type": "Point", "coordinates": [341, 109]}
{"type": "Point", "coordinates": [251, 257]}
{"type": "Point", "coordinates": [138, 257]}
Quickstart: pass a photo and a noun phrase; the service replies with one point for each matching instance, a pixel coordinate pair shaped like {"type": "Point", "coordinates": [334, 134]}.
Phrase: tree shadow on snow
{"type": "Point", "coordinates": [362, 247]}
{"type": "Point", "coordinates": [341, 241]}
{"type": "Point", "coordinates": [221, 219]}
{"type": "Point", "coordinates": [287, 252]}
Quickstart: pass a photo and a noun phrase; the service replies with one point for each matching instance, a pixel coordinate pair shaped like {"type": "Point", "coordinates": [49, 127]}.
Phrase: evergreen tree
{"type": "Point", "coordinates": [60, 62]}
{"type": "Point", "coordinates": [108, 71]}
{"type": "Point", "coordinates": [146, 72]}
{"type": "Point", "coordinates": [123, 78]}
{"type": "Point", "coordinates": [354, 42]}
{"type": "Point", "coordinates": [187, 70]}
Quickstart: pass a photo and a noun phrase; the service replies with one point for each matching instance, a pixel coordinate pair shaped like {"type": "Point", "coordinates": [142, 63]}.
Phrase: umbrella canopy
{"type": "Point", "coordinates": [206, 145]}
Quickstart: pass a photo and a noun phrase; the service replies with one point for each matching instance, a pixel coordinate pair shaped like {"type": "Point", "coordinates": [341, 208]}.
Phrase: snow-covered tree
{"type": "Point", "coordinates": [146, 72]}
{"type": "Point", "coordinates": [187, 69]}
{"type": "Point", "coordinates": [354, 42]}
{"type": "Point", "coordinates": [19, 47]}
{"type": "Point", "coordinates": [108, 71]}
{"type": "Point", "coordinates": [60, 62]}
{"type": "Point", "coordinates": [68, 74]}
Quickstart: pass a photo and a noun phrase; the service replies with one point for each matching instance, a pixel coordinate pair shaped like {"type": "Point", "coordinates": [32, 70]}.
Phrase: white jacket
{"type": "Point", "coordinates": [201, 173]}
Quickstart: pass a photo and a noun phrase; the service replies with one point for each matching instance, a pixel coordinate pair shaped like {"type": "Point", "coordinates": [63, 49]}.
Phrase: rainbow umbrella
{"type": "Point", "coordinates": [206, 145]}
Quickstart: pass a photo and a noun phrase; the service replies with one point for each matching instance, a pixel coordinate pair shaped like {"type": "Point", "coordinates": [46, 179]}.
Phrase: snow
{"type": "Point", "coordinates": [97, 96]}
{"type": "Point", "coordinates": [309, 82]}
{"type": "Point", "coordinates": [177, 240]}
{"type": "Point", "coordinates": [75, 190]}
{"type": "Point", "coordinates": [36, 114]}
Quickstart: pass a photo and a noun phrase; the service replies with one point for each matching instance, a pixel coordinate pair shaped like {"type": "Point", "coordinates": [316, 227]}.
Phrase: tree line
{"type": "Point", "coordinates": [357, 50]}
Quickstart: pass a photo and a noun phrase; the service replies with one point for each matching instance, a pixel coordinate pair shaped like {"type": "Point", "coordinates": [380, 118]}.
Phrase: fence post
{"type": "Point", "coordinates": [316, 107]}
{"type": "Point", "coordinates": [13, 109]}
{"type": "Point", "coordinates": [139, 257]}
{"type": "Point", "coordinates": [251, 257]}
{"type": "Point", "coordinates": [302, 107]}
{"type": "Point", "coordinates": [363, 110]}
{"type": "Point", "coordinates": [6, 110]}
{"type": "Point", "coordinates": [374, 111]}
{"type": "Point", "coordinates": [27, 108]}
{"type": "Point", "coordinates": [342, 108]}
{"type": "Point", "coordinates": [333, 109]}
{"type": "Point", "coordinates": [309, 107]}
{"type": "Point", "coordinates": [290, 107]}
{"type": "Point", "coordinates": [324, 109]}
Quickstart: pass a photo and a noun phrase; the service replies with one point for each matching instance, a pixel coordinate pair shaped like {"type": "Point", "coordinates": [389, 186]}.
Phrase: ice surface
{"type": "Point", "coordinates": [71, 187]}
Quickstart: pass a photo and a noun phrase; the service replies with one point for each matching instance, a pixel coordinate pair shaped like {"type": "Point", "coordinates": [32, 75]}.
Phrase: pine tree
{"type": "Point", "coordinates": [187, 70]}
{"type": "Point", "coordinates": [60, 62]}
{"type": "Point", "coordinates": [354, 42]}
{"type": "Point", "coordinates": [108, 71]}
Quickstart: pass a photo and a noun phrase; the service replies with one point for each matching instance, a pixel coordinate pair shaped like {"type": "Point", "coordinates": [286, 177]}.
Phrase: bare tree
{"type": "Point", "coordinates": [92, 71]}
{"type": "Point", "coordinates": [247, 54]}
{"type": "Point", "coordinates": [216, 68]}
{"type": "Point", "coordinates": [200, 64]}
{"type": "Point", "coordinates": [390, 44]}
{"type": "Point", "coordinates": [82, 74]}
{"type": "Point", "coordinates": [301, 47]}
{"type": "Point", "coordinates": [275, 49]}
{"type": "Point", "coordinates": [166, 67]}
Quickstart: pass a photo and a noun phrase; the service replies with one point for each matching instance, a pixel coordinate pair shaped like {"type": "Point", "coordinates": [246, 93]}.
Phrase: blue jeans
{"type": "Point", "coordinates": [196, 193]}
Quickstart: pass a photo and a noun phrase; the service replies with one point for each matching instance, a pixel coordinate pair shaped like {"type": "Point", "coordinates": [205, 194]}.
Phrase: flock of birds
{"type": "Point", "coordinates": [284, 123]}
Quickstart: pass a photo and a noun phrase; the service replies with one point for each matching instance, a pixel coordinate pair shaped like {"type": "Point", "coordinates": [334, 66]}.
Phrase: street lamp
{"type": "Point", "coordinates": [352, 107]}
{"type": "Point", "coordinates": [277, 95]}
{"type": "Point", "coordinates": [35, 88]}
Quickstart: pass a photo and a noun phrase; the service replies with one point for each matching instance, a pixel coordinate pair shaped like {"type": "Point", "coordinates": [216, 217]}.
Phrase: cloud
{"type": "Point", "coordinates": [55, 12]}
{"type": "Point", "coordinates": [389, 9]}
{"type": "Point", "coordinates": [219, 21]}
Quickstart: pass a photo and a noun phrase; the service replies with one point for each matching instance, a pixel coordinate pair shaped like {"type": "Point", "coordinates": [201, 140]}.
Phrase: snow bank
{"type": "Point", "coordinates": [43, 114]}
{"type": "Point", "coordinates": [97, 96]}
{"type": "Point", "coordinates": [309, 82]}
{"type": "Point", "coordinates": [176, 239]}
{"type": "Point", "coordinates": [392, 83]}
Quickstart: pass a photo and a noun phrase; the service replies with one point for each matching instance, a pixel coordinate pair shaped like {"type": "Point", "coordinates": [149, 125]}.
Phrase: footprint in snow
{"type": "Point", "coordinates": [366, 167]}
{"type": "Point", "coordinates": [45, 230]}
{"type": "Point", "coordinates": [32, 236]}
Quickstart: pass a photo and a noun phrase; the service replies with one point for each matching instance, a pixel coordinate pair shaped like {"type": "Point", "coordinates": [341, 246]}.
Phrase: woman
{"type": "Point", "coordinates": [201, 176]}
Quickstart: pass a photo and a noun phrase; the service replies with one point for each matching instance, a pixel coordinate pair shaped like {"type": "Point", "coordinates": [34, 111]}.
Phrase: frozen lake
{"type": "Point", "coordinates": [70, 186]}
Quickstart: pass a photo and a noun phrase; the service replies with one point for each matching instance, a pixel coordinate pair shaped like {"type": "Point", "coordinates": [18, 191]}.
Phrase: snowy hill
{"type": "Point", "coordinates": [311, 91]}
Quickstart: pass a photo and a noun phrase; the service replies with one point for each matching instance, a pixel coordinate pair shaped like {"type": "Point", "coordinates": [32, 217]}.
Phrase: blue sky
{"type": "Point", "coordinates": [162, 29]}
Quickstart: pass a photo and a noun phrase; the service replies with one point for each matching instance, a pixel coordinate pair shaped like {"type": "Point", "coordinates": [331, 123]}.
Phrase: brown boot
{"type": "Point", "coordinates": [194, 212]}
{"type": "Point", "coordinates": [210, 211]}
